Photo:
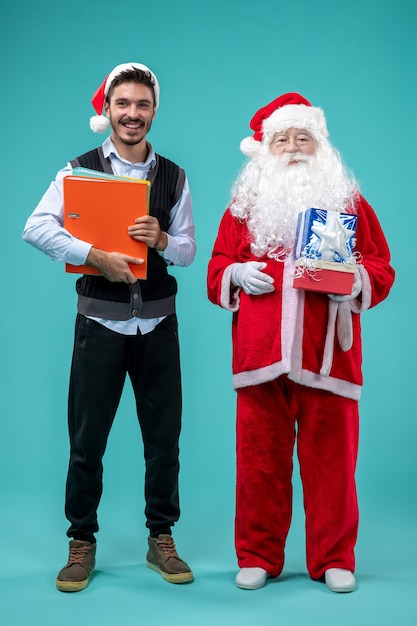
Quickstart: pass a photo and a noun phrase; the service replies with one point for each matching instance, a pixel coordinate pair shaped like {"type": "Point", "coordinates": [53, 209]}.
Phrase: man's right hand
{"type": "Point", "coordinates": [253, 281]}
{"type": "Point", "coordinates": [113, 265]}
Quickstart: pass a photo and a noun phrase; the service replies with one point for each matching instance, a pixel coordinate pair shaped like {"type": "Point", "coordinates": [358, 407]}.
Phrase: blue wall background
{"type": "Point", "coordinates": [217, 63]}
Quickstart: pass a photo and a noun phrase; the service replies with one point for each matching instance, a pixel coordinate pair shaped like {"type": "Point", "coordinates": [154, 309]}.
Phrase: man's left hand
{"type": "Point", "coordinates": [147, 229]}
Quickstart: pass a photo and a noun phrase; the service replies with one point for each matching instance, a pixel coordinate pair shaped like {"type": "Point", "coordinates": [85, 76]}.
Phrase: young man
{"type": "Point", "coordinates": [124, 326]}
{"type": "Point", "coordinates": [296, 354]}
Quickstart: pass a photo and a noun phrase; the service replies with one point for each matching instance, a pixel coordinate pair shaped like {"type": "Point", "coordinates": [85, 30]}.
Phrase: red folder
{"type": "Point", "coordinates": [99, 211]}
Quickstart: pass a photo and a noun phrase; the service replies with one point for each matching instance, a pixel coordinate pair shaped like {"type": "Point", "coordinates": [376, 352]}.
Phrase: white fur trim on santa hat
{"type": "Point", "coordinates": [296, 116]}
{"type": "Point", "coordinates": [289, 116]}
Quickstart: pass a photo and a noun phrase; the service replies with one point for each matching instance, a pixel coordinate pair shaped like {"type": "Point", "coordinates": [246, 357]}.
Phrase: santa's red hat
{"type": "Point", "coordinates": [291, 110]}
{"type": "Point", "coordinates": [100, 123]}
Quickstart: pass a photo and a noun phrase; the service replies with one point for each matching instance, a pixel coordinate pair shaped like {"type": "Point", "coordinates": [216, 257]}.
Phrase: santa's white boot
{"type": "Point", "coordinates": [340, 580]}
{"type": "Point", "coordinates": [251, 578]}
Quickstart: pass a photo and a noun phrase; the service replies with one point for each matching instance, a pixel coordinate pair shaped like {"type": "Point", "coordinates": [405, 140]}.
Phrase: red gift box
{"type": "Point", "coordinates": [325, 277]}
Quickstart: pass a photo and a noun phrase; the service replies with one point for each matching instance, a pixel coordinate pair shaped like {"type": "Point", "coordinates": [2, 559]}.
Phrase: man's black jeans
{"type": "Point", "coordinates": [101, 360]}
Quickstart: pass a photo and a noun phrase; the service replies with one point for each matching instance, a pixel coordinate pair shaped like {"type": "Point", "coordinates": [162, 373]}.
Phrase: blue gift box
{"type": "Point", "coordinates": [325, 235]}
{"type": "Point", "coordinates": [324, 251]}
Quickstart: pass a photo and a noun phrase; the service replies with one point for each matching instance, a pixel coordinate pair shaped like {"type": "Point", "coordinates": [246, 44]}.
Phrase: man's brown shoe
{"type": "Point", "coordinates": [81, 561]}
{"type": "Point", "coordinates": [163, 558]}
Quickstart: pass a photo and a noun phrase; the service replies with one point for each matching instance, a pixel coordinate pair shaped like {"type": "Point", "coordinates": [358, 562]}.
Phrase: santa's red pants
{"type": "Point", "coordinates": [269, 418]}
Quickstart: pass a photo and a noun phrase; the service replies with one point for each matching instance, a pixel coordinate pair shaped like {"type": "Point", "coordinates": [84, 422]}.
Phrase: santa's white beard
{"type": "Point", "coordinates": [269, 194]}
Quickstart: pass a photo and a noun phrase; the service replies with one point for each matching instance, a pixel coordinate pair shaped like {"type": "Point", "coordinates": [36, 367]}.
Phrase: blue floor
{"type": "Point", "coordinates": [124, 592]}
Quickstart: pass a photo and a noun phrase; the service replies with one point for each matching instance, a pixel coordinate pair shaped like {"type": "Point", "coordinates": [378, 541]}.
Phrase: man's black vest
{"type": "Point", "coordinates": [155, 296]}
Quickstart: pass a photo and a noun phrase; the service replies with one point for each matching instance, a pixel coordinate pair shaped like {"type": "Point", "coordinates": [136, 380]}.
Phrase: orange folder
{"type": "Point", "coordinates": [99, 211]}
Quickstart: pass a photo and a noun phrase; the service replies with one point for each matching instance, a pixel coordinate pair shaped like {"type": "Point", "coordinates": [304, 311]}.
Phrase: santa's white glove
{"type": "Point", "coordinates": [356, 289]}
{"type": "Point", "coordinates": [250, 277]}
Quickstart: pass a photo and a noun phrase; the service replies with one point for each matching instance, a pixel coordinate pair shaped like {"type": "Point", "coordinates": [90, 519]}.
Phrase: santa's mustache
{"type": "Point", "coordinates": [285, 165]}
{"type": "Point", "coordinates": [286, 159]}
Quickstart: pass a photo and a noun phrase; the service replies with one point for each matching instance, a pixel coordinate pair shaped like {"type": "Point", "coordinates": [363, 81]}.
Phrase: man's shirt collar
{"type": "Point", "coordinates": [109, 149]}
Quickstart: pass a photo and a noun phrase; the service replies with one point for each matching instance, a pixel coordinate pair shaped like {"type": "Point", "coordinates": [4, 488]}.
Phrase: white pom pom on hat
{"type": "Point", "coordinates": [249, 146]}
{"type": "Point", "coordinates": [291, 110]}
{"type": "Point", "coordinates": [100, 123]}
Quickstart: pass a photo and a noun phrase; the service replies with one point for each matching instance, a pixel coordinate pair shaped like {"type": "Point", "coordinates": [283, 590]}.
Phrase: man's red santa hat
{"type": "Point", "coordinates": [290, 110]}
{"type": "Point", "coordinates": [100, 123]}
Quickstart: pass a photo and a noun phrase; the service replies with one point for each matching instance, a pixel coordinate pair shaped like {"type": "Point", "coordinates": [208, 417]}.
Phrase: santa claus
{"type": "Point", "coordinates": [296, 354]}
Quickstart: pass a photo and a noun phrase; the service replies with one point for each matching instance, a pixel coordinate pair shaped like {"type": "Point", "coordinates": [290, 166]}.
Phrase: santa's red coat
{"type": "Point", "coordinates": [306, 335]}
